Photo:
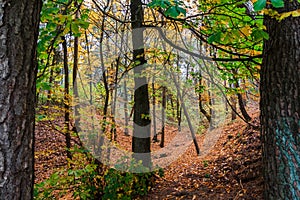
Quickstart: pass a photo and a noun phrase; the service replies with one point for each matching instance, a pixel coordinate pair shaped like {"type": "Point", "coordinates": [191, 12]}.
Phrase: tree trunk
{"type": "Point", "coordinates": [66, 98]}
{"type": "Point", "coordinates": [113, 130]}
{"type": "Point", "coordinates": [163, 116]}
{"type": "Point", "coordinates": [141, 128]}
{"type": "Point", "coordinates": [75, 70]}
{"type": "Point", "coordinates": [211, 102]}
{"type": "Point", "coordinates": [178, 114]}
{"type": "Point", "coordinates": [233, 102]}
{"type": "Point", "coordinates": [154, 139]}
{"type": "Point", "coordinates": [126, 132]}
{"type": "Point", "coordinates": [172, 106]}
{"type": "Point", "coordinates": [241, 103]}
{"type": "Point", "coordinates": [19, 31]}
{"type": "Point", "coordinates": [243, 108]}
{"type": "Point", "coordinates": [51, 80]}
{"type": "Point", "coordinates": [280, 106]}
{"type": "Point", "coordinates": [233, 109]}
{"type": "Point", "coordinates": [105, 81]}
{"type": "Point", "coordinates": [186, 115]}
{"type": "Point", "coordinates": [200, 90]}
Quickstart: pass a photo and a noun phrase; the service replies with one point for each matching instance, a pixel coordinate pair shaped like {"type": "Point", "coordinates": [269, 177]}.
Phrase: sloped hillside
{"type": "Point", "coordinates": [229, 169]}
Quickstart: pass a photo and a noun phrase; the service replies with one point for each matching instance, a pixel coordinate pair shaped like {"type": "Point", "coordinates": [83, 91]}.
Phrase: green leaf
{"type": "Point", "coordinates": [172, 12]}
{"type": "Point", "coordinates": [159, 3]}
{"type": "Point", "coordinates": [40, 117]}
{"type": "Point", "coordinates": [259, 34]}
{"type": "Point", "coordinates": [75, 29]}
{"type": "Point", "coordinates": [43, 85]}
{"type": "Point", "coordinates": [214, 38]}
{"type": "Point", "coordinates": [259, 5]}
{"type": "Point", "coordinates": [265, 35]}
{"type": "Point", "coordinates": [181, 11]}
{"type": "Point", "coordinates": [277, 3]}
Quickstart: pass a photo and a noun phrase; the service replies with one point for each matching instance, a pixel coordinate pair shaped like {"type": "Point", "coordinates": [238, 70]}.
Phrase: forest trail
{"type": "Point", "coordinates": [229, 166]}
{"type": "Point", "coordinates": [231, 169]}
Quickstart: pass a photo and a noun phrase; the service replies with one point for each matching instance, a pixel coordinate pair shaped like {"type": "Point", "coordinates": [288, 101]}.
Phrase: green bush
{"type": "Point", "coordinates": [83, 181]}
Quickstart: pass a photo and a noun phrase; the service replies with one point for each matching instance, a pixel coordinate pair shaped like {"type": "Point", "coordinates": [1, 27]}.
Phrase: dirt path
{"type": "Point", "coordinates": [228, 167]}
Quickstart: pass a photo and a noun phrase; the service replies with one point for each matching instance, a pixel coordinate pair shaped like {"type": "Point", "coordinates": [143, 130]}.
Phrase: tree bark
{"type": "Point", "coordinates": [19, 22]}
{"type": "Point", "coordinates": [280, 106]}
{"type": "Point", "coordinates": [233, 110]}
{"type": "Point", "coordinates": [105, 81]}
{"type": "Point", "coordinates": [211, 102]}
{"type": "Point", "coordinates": [200, 89]}
{"type": "Point", "coordinates": [241, 103]}
{"type": "Point", "coordinates": [154, 139]}
{"type": "Point", "coordinates": [66, 98]}
{"type": "Point", "coordinates": [75, 70]}
{"type": "Point", "coordinates": [141, 128]}
{"type": "Point", "coordinates": [113, 130]}
{"type": "Point", "coordinates": [178, 114]}
{"type": "Point", "coordinates": [163, 116]}
{"type": "Point", "coordinates": [126, 131]}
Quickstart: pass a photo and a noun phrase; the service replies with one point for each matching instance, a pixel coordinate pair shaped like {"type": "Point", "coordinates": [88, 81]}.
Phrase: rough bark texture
{"type": "Point", "coordinates": [19, 21]}
{"type": "Point", "coordinates": [66, 98]}
{"type": "Point", "coordinates": [280, 106]}
{"type": "Point", "coordinates": [141, 128]}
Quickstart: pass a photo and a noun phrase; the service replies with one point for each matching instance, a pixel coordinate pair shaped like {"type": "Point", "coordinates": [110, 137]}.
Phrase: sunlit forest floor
{"type": "Point", "coordinates": [230, 170]}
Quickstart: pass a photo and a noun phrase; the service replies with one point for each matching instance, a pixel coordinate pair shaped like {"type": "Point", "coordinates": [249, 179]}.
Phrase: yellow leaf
{"type": "Point", "coordinates": [284, 15]}
{"type": "Point", "coordinates": [296, 13]}
{"type": "Point", "coordinates": [246, 30]}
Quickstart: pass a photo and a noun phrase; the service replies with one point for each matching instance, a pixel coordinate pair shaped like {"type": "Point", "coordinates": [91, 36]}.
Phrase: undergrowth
{"type": "Point", "coordinates": [83, 178]}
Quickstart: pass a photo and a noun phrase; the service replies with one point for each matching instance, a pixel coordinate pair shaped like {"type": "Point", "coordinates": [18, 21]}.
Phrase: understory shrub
{"type": "Point", "coordinates": [84, 180]}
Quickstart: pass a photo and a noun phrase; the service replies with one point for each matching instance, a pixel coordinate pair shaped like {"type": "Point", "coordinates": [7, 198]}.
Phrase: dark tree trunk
{"type": "Point", "coordinates": [19, 31]}
{"type": "Point", "coordinates": [154, 139]}
{"type": "Point", "coordinates": [141, 128]}
{"type": "Point", "coordinates": [105, 81]}
{"type": "Point", "coordinates": [243, 108]}
{"type": "Point", "coordinates": [126, 132]}
{"type": "Point", "coordinates": [233, 109]}
{"type": "Point", "coordinates": [186, 115]}
{"type": "Point", "coordinates": [280, 106]}
{"type": "Point", "coordinates": [172, 106]}
{"type": "Point", "coordinates": [233, 102]}
{"type": "Point", "coordinates": [200, 90]}
{"type": "Point", "coordinates": [66, 98]}
{"type": "Point", "coordinates": [50, 81]}
{"type": "Point", "coordinates": [242, 104]}
{"type": "Point", "coordinates": [113, 130]}
{"type": "Point", "coordinates": [211, 103]}
{"type": "Point", "coordinates": [178, 114]}
{"type": "Point", "coordinates": [75, 69]}
{"type": "Point", "coordinates": [163, 116]}
{"type": "Point", "coordinates": [225, 98]}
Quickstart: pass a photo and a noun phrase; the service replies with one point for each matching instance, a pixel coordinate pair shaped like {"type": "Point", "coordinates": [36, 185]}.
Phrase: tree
{"type": "Point", "coordinates": [66, 97]}
{"type": "Point", "coordinates": [19, 32]}
{"type": "Point", "coordinates": [280, 88]}
{"type": "Point", "coordinates": [141, 133]}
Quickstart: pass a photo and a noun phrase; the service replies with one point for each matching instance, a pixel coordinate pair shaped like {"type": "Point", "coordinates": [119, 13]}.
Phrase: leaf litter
{"type": "Point", "coordinates": [230, 170]}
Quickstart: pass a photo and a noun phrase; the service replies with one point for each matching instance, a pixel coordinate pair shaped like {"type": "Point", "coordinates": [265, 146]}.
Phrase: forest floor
{"type": "Point", "coordinates": [229, 165]}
